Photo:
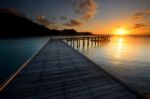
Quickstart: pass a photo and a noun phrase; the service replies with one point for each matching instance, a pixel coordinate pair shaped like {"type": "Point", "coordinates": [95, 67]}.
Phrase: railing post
{"type": "Point", "coordinates": [87, 41]}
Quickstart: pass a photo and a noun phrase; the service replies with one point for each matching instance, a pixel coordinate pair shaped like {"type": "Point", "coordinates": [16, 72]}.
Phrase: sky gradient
{"type": "Point", "coordinates": [97, 16]}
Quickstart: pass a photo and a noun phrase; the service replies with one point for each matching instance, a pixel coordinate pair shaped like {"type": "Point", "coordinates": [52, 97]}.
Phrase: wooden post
{"type": "Point", "coordinates": [95, 41]}
{"type": "Point", "coordinates": [73, 42]}
{"type": "Point", "coordinates": [83, 43]}
{"type": "Point", "coordinates": [87, 41]}
{"type": "Point", "coordinates": [91, 41]}
{"type": "Point", "coordinates": [77, 43]}
{"type": "Point", "coordinates": [98, 40]}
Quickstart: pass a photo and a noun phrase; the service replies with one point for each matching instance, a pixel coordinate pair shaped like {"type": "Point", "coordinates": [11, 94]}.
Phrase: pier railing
{"type": "Point", "coordinates": [78, 41]}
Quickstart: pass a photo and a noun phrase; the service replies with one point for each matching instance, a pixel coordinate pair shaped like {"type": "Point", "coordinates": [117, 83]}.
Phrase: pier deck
{"type": "Point", "coordinates": [60, 72]}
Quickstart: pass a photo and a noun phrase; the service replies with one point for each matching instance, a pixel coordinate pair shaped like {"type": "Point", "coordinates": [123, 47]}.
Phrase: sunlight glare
{"type": "Point", "coordinates": [121, 31]}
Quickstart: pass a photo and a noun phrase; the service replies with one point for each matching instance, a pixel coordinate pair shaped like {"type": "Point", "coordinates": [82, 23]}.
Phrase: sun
{"type": "Point", "coordinates": [121, 31]}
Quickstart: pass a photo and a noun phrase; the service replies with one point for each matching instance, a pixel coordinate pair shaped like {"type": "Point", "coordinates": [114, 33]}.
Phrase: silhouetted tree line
{"type": "Point", "coordinates": [16, 26]}
{"type": "Point", "coordinates": [68, 32]}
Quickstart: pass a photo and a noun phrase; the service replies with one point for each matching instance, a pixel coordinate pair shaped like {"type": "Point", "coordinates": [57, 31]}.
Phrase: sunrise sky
{"type": "Point", "coordinates": [120, 17]}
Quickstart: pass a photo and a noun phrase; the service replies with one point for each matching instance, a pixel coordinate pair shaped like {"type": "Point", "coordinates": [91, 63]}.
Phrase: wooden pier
{"type": "Point", "coordinates": [60, 72]}
{"type": "Point", "coordinates": [75, 42]}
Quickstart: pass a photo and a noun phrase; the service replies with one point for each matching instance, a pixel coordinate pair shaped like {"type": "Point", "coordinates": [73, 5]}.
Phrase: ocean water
{"type": "Point", "coordinates": [126, 58]}
{"type": "Point", "coordinates": [15, 52]}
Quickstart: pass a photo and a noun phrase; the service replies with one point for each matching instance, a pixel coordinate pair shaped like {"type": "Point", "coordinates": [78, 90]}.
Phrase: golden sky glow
{"type": "Point", "coordinates": [121, 31]}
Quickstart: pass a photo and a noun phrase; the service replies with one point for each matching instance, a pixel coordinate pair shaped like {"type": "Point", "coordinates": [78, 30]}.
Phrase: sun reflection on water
{"type": "Point", "coordinates": [119, 48]}
{"type": "Point", "coordinates": [126, 58]}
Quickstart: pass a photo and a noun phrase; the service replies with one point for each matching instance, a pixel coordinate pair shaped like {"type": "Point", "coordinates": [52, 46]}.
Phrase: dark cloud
{"type": "Point", "coordinates": [54, 18]}
{"type": "Point", "coordinates": [63, 18]}
{"type": "Point", "coordinates": [139, 26]}
{"type": "Point", "coordinates": [12, 11]}
{"type": "Point", "coordinates": [74, 23]}
{"type": "Point", "coordinates": [42, 19]}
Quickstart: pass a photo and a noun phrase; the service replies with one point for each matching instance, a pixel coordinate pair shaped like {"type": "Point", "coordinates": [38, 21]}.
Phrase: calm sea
{"type": "Point", "coordinates": [127, 58]}
{"type": "Point", "coordinates": [14, 52]}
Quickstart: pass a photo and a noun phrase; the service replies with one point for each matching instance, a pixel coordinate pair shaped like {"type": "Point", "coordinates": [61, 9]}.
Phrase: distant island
{"type": "Point", "coordinates": [17, 26]}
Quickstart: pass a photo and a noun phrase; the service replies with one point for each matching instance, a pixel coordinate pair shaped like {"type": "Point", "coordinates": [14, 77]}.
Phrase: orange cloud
{"type": "Point", "coordinates": [74, 23]}
{"type": "Point", "coordinates": [49, 24]}
{"type": "Point", "coordinates": [42, 19]}
{"type": "Point", "coordinates": [141, 15]}
{"type": "Point", "coordinates": [138, 15]}
{"type": "Point", "coordinates": [148, 12]}
{"type": "Point", "coordinates": [139, 25]}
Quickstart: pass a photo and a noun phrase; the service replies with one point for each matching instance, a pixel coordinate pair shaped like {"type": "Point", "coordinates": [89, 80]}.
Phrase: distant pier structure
{"type": "Point", "coordinates": [83, 41]}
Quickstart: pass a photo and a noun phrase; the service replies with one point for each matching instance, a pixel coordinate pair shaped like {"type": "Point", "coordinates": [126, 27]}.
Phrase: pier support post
{"type": "Point", "coordinates": [87, 41]}
{"type": "Point", "coordinates": [91, 41]}
{"type": "Point", "coordinates": [73, 42]}
{"type": "Point", "coordinates": [77, 43]}
{"type": "Point", "coordinates": [83, 43]}
{"type": "Point", "coordinates": [95, 41]}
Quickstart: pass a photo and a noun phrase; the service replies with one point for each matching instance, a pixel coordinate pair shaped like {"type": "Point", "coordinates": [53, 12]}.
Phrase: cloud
{"type": "Point", "coordinates": [63, 18]}
{"type": "Point", "coordinates": [12, 11]}
{"type": "Point", "coordinates": [148, 12]}
{"type": "Point", "coordinates": [86, 9]}
{"type": "Point", "coordinates": [54, 18]}
{"type": "Point", "coordinates": [42, 19]}
{"type": "Point", "coordinates": [140, 15]}
{"type": "Point", "coordinates": [139, 26]}
{"type": "Point", "coordinates": [74, 23]}
{"type": "Point", "coordinates": [45, 22]}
